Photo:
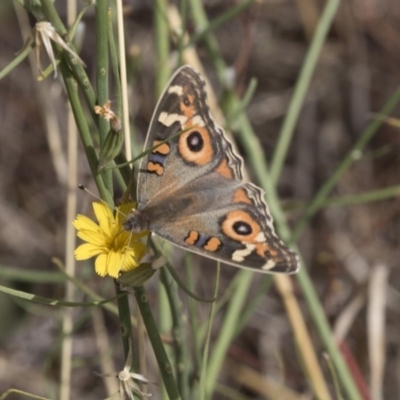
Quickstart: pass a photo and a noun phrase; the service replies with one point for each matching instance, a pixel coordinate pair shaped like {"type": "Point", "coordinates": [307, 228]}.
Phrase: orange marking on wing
{"type": "Point", "coordinates": [192, 238]}
{"type": "Point", "coordinates": [262, 248]}
{"type": "Point", "coordinates": [240, 196]}
{"type": "Point", "coordinates": [213, 244]}
{"type": "Point", "coordinates": [224, 169]}
{"type": "Point", "coordinates": [202, 157]}
{"type": "Point", "coordinates": [240, 216]}
{"type": "Point", "coordinates": [153, 167]}
{"type": "Point", "coordinates": [188, 110]}
{"type": "Point", "coordinates": [163, 149]}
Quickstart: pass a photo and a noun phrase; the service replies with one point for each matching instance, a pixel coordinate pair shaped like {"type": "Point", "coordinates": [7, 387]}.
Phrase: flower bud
{"type": "Point", "coordinates": [137, 276]}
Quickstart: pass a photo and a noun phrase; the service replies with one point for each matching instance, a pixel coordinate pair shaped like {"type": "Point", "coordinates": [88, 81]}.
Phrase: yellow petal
{"type": "Point", "coordinates": [121, 240]}
{"type": "Point", "coordinates": [114, 263]}
{"type": "Point", "coordinates": [133, 256]}
{"type": "Point", "coordinates": [83, 222]}
{"type": "Point", "coordinates": [105, 217]}
{"type": "Point", "coordinates": [87, 250]}
{"type": "Point", "coordinates": [101, 265]}
{"type": "Point", "coordinates": [129, 263]}
{"type": "Point", "coordinates": [138, 249]}
{"type": "Point", "coordinates": [96, 238]}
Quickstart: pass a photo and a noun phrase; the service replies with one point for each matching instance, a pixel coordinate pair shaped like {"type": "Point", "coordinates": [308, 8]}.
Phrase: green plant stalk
{"type": "Point", "coordinates": [183, 6]}
{"type": "Point", "coordinates": [252, 146]}
{"type": "Point", "coordinates": [183, 365]}
{"type": "Point", "coordinates": [351, 199]}
{"type": "Point", "coordinates": [29, 275]}
{"type": "Point", "coordinates": [158, 347]}
{"type": "Point", "coordinates": [162, 44]}
{"type": "Point", "coordinates": [222, 301]}
{"type": "Point", "coordinates": [334, 378]}
{"type": "Point", "coordinates": [233, 394]}
{"type": "Point", "coordinates": [165, 325]}
{"type": "Point", "coordinates": [164, 315]}
{"type": "Point", "coordinates": [193, 314]}
{"type": "Point", "coordinates": [76, 67]}
{"type": "Point", "coordinates": [16, 61]}
{"type": "Point", "coordinates": [363, 198]}
{"type": "Point", "coordinates": [251, 307]}
{"type": "Point", "coordinates": [303, 82]}
{"type": "Point", "coordinates": [220, 20]}
{"type": "Point", "coordinates": [226, 333]}
{"type": "Point", "coordinates": [126, 173]}
{"type": "Point", "coordinates": [352, 156]}
{"type": "Point", "coordinates": [84, 132]}
{"type": "Point", "coordinates": [200, 18]}
{"type": "Point", "coordinates": [204, 374]}
{"type": "Point", "coordinates": [126, 326]}
{"type": "Point", "coordinates": [183, 286]}
{"type": "Point", "coordinates": [53, 353]}
{"type": "Point", "coordinates": [114, 64]}
{"type": "Point", "coordinates": [102, 72]}
{"type": "Point", "coordinates": [5, 394]}
{"type": "Point", "coordinates": [161, 30]}
{"type": "Point", "coordinates": [52, 302]}
{"type": "Point", "coordinates": [244, 102]}
{"type": "Point", "coordinates": [85, 289]}
{"type": "Point", "coordinates": [101, 19]}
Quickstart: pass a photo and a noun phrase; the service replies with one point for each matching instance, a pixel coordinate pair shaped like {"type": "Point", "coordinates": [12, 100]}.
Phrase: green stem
{"type": "Point", "coordinates": [200, 18]}
{"type": "Point", "coordinates": [183, 6]}
{"type": "Point", "coordinates": [251, 307]}
{"type": "Point", "coordinates": [84, 131]}
{"type": "Point", "coordinates": [302, 85]}
{"type": "Point", "coordinates": [162, 44]}
{"type": "Point", "coordinates": [125, 325]}
{"type": "Point", "coordinates": [76, 67]}
{"type": "Point", "coordinates": [102, 75]}
{"type": "Point", "coordinates": [353, 155]}
{"type": "Point", "coordinates": [204, 377]}
{"type": "Point", "coordinates": [363, 198]}
{"type": "Point", "coordinates": [102, 62]}
{"type": "Point", "coordinates": [227, 331]}
{"type": "Point", "coordinates": [182, 360]}
{"type": "Point", "coordinates": [193, 313]}
{"type": "Point", "coordinates": [16, 61]}
{"type": "Point", "coordinates": [114, 64]}
{"type": "Point", "coordinates": [158, 347]}
{"type": "Point", "coordinates": [220, 20]}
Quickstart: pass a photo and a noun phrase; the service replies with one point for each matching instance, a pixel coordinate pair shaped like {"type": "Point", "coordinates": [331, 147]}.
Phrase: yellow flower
{"type": "Point", "coordinates": [115, 248]}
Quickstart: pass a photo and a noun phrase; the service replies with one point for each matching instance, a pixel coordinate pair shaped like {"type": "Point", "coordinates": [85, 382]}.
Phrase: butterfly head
{"type": "Point", "coordinates": [136, 222]}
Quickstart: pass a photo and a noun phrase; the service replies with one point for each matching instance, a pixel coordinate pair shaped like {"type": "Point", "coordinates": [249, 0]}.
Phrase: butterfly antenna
{"type": "Point", "coordinates": [85, 189]}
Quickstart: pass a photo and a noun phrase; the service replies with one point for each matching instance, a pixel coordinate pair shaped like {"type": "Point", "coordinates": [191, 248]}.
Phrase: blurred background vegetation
{"type": "Point", "coordinates": [350, 247]}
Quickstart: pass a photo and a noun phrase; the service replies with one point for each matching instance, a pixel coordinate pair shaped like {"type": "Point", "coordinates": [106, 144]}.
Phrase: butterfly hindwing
{"type": "Point", "coordinates": [237, 229]}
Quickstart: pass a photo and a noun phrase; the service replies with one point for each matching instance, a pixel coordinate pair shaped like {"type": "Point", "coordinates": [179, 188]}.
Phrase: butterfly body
{"type": "Point", "coordinates": [191, 190]}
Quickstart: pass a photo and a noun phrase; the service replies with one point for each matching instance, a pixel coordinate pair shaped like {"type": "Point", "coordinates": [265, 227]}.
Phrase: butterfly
{"type": "Point", "coordinates": [191, 190]}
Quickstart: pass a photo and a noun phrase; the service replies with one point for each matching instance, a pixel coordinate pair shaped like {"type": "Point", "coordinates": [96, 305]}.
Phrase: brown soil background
{"type": "Point", "coordinates": [356, 74]}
